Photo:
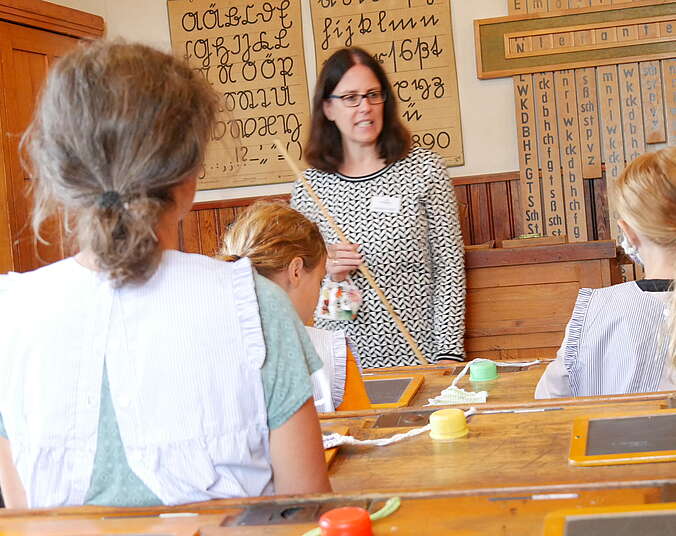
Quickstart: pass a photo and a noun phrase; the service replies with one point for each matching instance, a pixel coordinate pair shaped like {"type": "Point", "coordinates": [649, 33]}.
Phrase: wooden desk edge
{"type": "Point", "coordinates": [539, 403]}
{"type": "Point", "coordinates": [230, 505]}
{"type": "Point", "coordinates": [583, 251]}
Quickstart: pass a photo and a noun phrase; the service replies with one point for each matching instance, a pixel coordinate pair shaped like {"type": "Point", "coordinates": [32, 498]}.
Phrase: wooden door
{"type": "Point", "coordinates": [26, 55]}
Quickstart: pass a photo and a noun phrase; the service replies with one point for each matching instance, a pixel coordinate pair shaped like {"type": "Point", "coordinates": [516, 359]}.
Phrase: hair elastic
{"type": "Point", "coordinates": [109, 199]}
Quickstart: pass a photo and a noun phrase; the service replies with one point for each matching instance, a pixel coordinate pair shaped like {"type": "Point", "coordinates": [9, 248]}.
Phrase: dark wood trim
{"type": "Point", "coordinates": [575, 251]}
{"type": "Point", "coordinates": [491, 177]}
{"type": "Point", "coordinates": [237, 202]}
{"type": "Point", "coordinates": [52, 17]}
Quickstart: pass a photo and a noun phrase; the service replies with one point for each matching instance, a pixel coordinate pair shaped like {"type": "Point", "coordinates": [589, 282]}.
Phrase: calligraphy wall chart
{"type": "Point", "coordinates": [252, 53]}
{"type": "Point", "coordinates": [413, 41]}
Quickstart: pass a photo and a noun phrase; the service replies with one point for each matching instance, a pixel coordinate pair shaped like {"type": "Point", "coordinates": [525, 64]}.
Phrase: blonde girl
{"type": "Point", "coordinates": [622, 339]}
{"type": "Point", "coordinates": [286, 247]}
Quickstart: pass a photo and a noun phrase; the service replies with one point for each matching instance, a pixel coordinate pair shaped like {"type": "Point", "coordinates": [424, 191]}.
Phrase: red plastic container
{"type": "Point", "coordinates": [346, 521]}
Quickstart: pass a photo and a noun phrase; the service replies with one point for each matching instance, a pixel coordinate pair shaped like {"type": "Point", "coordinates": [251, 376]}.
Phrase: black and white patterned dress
{"type": "Point", "coordinates": [415, 254]}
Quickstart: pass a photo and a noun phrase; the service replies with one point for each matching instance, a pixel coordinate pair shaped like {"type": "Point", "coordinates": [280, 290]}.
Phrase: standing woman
{"type": "Point", "coordinates": [134, 374]}
{"type": "Point", "coordinates": [396, 205]}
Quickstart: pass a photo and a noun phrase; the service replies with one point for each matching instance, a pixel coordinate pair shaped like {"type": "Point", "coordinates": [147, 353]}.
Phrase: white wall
{"type": "Point", "coordinates": [486, 106]}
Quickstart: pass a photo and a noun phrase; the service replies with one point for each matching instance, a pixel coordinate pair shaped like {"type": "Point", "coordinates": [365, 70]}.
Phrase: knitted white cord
{"type": "Point", "coordinates": [335, 439]}
{"type": "Point", "coordinates": [455, 395]}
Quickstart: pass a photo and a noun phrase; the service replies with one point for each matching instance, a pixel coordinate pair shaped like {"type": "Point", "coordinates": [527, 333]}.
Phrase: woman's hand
{"type": "Point", "coordinates": [342, 260]}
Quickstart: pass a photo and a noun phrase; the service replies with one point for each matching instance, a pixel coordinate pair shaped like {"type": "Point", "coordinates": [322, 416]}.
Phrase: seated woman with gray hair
{"type": "Point", "coordinates": [134, 374]}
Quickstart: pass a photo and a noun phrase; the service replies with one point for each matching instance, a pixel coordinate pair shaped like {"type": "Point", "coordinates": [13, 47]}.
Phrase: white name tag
{"type": "Point", "coordinates": [384, 203]}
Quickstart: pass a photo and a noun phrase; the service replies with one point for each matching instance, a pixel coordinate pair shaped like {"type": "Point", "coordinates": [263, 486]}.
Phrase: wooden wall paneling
{"type": "Point", "coordinates": [514, 191]}
{"type": "Point", "coordinates": [653, 102]}
{"type": "Point", "coordinates": [189, 236]}
{"type": "Point", "coordinates": [7, 257]}
{"type": "Point", "coordinates": [534, 346]}
{"type": "Point", "coordinates": [602, 222]}
{"type": "Point", "coordinates": [30, 69]}
{"type": "Point", "coordinates": [590, 209]}
{"type": "Point", "coordinates": [226, 216]}
{"type": "Point", "coordinates": [500, 211]}
{"type": "Point", "coordinates": [32, 34]}
{"type": "Point", "coordinates": [480, 209]}
{"type": "Point", "coordinates": [461, 196]}
{"type": "Point", "coordinates": [669, 84]}
{"type": "Point", "coordinates": [489, 209]}
{"type": "Point", "coordinates": [26, 55]}
{"type": "Point", "coordinates": [209, 232]}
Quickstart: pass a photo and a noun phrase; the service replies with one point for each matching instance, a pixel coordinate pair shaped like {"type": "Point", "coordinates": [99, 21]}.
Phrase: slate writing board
{"type": "Point", "coordinates": [641, 437]}
{"type": "Point", "coordinates": [392, 391]}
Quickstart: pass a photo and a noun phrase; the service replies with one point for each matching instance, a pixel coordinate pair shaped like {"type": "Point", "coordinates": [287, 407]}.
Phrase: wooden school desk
{"type": "Point", "coordinates": [517, 514]}
{"type": "Point", "coordinates": [513, 385]}
{"type": "Point", "coordinates": [502, 450]}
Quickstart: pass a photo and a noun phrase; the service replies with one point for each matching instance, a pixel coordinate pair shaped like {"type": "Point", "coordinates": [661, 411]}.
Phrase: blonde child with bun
{"type": "Point", "coordinates": [622, 339]}
{"type": "Point", "coordinates": [287, 248]}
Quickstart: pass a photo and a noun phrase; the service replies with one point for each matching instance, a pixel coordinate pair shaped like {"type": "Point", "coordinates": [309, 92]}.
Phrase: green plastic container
{"type": "Point", "coordinates": [483, 371]}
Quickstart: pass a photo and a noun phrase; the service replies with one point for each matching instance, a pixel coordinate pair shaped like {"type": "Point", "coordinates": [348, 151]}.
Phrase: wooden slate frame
{"type": "Point", "coordinates": [556, 522]}
{"type": "Point", "coordinates": [580, 440]}
{"type": "Point", "coordinates": [414, 384]}
{"type": "Point", "coordinates": [490, 44]}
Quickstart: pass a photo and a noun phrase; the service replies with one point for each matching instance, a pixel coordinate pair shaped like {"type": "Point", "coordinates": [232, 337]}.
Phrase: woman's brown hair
{"type": "Point", "coordinates": [116, 128]}
{"type": "Point", "coordinates": [645, 196]}
{"type": "Point", "coordinates": [324, 148]}
{"type": "Point", "coordinates": [271, 235]}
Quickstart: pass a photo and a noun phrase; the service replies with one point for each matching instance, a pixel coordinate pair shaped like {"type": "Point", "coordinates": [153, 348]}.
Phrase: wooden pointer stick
{"type": "Point", "coordinates": [362, 267]}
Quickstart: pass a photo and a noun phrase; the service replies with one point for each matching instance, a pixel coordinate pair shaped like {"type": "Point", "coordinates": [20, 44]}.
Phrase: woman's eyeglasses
{"type": "Point", "coordinates": [353, 100]}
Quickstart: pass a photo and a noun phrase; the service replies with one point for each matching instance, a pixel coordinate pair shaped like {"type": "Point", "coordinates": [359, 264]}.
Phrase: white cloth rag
{"type": "Point", "coordinates": [455, 395]}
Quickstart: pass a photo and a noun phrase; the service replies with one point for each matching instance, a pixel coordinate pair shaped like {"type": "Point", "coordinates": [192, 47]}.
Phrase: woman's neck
{"type": "Point", "coordinates": [658, 263]}
{"type": "Point", "coordinates": [360, 160]}
{"type": "Point", "coordinates": [166, 232]}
